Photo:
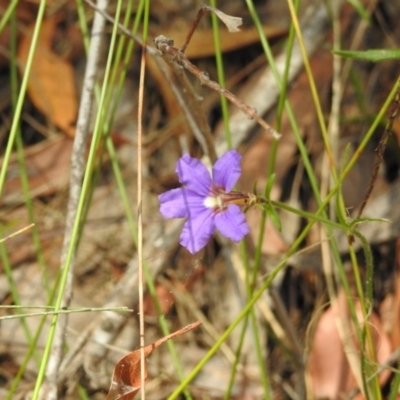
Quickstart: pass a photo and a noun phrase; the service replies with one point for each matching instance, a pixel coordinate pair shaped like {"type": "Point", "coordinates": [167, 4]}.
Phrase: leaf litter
{"type": "Point", "coordinates": [126, 379]}
{"type": "Point", "coordinates": [51, 86]}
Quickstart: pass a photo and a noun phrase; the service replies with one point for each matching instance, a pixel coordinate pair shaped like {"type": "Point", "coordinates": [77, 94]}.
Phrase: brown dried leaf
{"type": "Point", "coordinates": [165, 298]}
{"type": "Point", "coordinates": [126, 379]}
{"type": "Point", "coordinates": [51, 85]}
{"type": "Point", "coordinates": [329, 371]}
{"type": "Point", "coordinates": [47, 164]}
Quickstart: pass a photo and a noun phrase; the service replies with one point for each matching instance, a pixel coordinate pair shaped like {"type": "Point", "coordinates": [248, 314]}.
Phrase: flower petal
{"type": "Point", "coordinates": [181, 203]}
{"type": "Point", "coordinates": [232, 223]}
{"type": "Point", "coordinates": [197, 231]}
{"type": "Point", "coordinates": [227, 170]}
{"type": "Point", "coordinates": [194, 175]}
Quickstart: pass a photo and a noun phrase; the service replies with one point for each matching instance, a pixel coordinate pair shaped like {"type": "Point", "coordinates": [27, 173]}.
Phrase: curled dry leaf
{"type": "Point", "coordinates": [126, 379]}
{"type": "Point", "coordinates": [231, 23]}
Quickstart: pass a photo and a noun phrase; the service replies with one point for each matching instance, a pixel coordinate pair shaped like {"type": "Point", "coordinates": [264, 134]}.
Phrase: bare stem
{"type": "Point", "coordinates": [140, 224]}
{"type": "Point", "coordinates": [199, 15]}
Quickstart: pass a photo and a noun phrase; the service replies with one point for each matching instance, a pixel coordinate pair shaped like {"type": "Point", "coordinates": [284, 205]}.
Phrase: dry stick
{"type": "Point", "coordinates": [232, 23]}
{"type": "Point", "coordinates": [77, 171]}
{"type": "Point", "coordinates": [165, 45]}
{"type": "Point", "coordinates": [193, 27]}
{"type": "Point", "coordinates": [18, 232]}
{"type": "Point", "coordinates": [205, 138]}
{"type": "Point", "coordinates": [393, 112]}
{"type": "Point", "coordinates": [140, 224]}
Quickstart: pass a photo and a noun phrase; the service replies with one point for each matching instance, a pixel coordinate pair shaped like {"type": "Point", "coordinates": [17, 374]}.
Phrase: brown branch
{"type": "Point", "coordinates": [193, 28]}
{"type": "Point", "coordinates": [175, 56]}
{"type": "Point", "coordinates": [230, 22]}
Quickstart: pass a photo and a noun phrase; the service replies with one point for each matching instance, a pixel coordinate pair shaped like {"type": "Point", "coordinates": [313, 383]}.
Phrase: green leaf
{"type": "Point", "coordinates": [270, 183]}
{"type": "Point", "coordinates": [360, 9]}
{"type": "Point", "coordinates": [373, 55]}
{"type": "Point", "coordinates": [358, 221]}
{"type": "Point", "coordinates": [274, 217]}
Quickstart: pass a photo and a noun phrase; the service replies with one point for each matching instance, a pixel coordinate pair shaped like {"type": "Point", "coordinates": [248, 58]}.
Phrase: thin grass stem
{"type": "Point", "coordinates": [221, 76]}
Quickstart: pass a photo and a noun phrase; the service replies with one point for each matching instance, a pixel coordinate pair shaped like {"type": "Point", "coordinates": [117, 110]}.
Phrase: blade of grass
{"type": "Point", "coordinates": [221, 75]}
{"type": "Point", "coordinates": [69, 311]}
{"type": "Point", "coordinates": [32, 350]}
{"type": "Point", "coordinates": [7, 14]}
{"type": "Point", "coordinates": [21, 93]}
{"type": "Point", "coordinates": [394, 389]}
{"type": "Point", "coordinates": [10, 144]}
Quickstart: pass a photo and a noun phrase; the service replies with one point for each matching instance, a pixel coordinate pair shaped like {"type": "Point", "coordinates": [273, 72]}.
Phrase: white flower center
{"type": "Point", "coordinates": [213, 202]}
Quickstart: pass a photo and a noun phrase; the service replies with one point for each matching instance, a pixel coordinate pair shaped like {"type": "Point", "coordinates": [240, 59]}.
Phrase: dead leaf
{"type": "Point", "coordinates": [48, 168]}
{"type": "Point", "coordinates": [51, 85]}
{"type": "Point", "coordinates": [165, 298]}
{"type": "Point", "coordinates": [126, 380]}
{"type": "Point", "coordinates": [232, 23]}
{"type": "Point", "coordinates": [328, 368]}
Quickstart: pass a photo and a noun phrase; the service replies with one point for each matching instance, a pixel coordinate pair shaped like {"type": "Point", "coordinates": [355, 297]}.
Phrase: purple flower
{"type": "Point", "coordinates": [207, 203]}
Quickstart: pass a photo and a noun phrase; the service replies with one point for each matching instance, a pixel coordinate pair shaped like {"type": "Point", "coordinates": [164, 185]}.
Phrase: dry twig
{"type": "Point", "coordinates": [173, 55]}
